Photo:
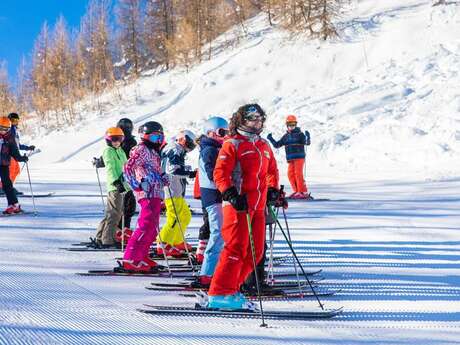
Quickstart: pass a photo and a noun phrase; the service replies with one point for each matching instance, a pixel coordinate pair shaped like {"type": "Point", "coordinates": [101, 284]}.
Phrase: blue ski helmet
{"type": "Point", "coordinates": [216, 124]}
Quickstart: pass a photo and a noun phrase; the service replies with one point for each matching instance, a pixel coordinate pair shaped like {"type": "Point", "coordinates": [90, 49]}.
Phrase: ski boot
{"type": "Point", "coordinates": [13, 209]}
{"type": "Point", "coordinates": [235, 302]}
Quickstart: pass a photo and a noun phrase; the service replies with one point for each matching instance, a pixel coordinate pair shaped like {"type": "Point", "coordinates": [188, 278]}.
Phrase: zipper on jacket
{"type": "Point", "coordinates": [258, 172]}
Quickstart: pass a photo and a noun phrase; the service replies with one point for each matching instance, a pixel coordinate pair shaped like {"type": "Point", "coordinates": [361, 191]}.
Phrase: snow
{"type": "Point", "coordinates": [382, 104]}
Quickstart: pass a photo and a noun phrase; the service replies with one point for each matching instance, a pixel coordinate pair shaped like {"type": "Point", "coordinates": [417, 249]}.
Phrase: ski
{"type": "Point", "coordinates": [285, 295]}
{"type": "Point", "coordinates": [282, 274]}
{"type": "Point", "coordinates": [90, 249]}
{"type": "Point", "coordinates": [118, 271]}
{"type": "Point", "coordinates": [240, 314]}
{"type": "Point", "coordinates": [22, 213]}
{"type": "Point", "coordinates": [37, 195]}
{"type": "Point", "coordinates": [191, 284]}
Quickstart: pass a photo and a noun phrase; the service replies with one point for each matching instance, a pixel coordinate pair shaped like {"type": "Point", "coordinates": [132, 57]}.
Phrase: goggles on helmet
{"type": "Point", "coordinates": [252, 114]}
{"type": "Point", "coordinates": [221, 132]}
{"type": "Point", "coordinates": [116, 138]}
{"type": "Point", "coordinates": [6, 129]}
{"type": "Point", "coordinates": [154, 137]}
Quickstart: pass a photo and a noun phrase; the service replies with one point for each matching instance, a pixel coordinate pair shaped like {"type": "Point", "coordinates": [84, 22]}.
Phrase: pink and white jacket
{"type": "Point", "coordinates": [144, 166]}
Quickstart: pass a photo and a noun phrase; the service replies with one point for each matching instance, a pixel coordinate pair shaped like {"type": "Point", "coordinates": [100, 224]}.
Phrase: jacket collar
{"type": "Point", "coordinates": [207, 141]}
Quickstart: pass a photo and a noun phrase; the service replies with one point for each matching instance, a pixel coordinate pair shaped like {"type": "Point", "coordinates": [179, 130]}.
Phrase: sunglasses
{"type": "Point", "coordinates": [252, 114]}
{"type": "Point", "coordinates": [221, 132]}
{"type": "Point", "coordinates": [155, 137]}
{"type": "Point", "coordinates": [116, 138]}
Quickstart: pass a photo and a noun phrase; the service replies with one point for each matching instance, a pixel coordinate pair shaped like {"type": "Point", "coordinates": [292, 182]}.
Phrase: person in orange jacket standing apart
{"type": "Point", "coordinates": [294, 142]}
{"type": "Point", "coordinates": [245, 173]}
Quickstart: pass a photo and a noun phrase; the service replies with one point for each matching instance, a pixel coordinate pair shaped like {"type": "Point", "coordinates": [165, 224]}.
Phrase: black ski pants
{"type": "Point", "coordinates": [7, 185]}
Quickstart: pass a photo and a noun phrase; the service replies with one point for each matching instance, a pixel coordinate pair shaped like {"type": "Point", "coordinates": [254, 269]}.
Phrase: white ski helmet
{"type": "Point", "coordinates": [188, 138]}
{"type": "Point", "coordinates": [217, 125]}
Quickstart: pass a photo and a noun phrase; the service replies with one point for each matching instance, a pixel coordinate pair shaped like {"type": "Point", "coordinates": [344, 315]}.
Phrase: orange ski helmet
{"type": "Point", "coordinates": [5, 123]}
{"type": "Point", "coordinates": [291, 119]}
{"type": "Point", "coordinates": [114, 133]}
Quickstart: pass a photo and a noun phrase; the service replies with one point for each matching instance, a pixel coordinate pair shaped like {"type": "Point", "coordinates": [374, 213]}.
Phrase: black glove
{"type": "Point", "coordinates": [31, 148]}
{"type": "Point", "coordinates": [98, 162]}
{"type": "Point", "coordinates": [119, 185]}
{"type": "Point", "coordinates": [273, 195]}
{"type": "Point", "coordinates": [23, 159]}
{"type": "Point", "coordinates": [269, 136]}
{"type": "Point", "coordinates": [239, 202]}
{"type": "Point", "coordinates": [192, 174]}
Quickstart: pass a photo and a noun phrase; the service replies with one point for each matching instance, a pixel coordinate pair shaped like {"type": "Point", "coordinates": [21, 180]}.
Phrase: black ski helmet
{"type": "Point", "coordinates": [13, 116]}
{"type": "Point", "coordinates": [150, 127]}
{"type": "Point", "coordinates": [126, 125]}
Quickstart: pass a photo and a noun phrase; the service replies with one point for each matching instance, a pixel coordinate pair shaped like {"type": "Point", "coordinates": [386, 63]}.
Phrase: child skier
{"type": "Point", "coordinates": [294, 141]}
{"type": "Point", "coordinates": [14, 165]}
{"type": "Point", "coordinates": [8, 149]}
{"type": "Point", "coordinates": [129, 201]}
{"type": "Point", "coordinates": [178, 214]}
{"type": "Point", "coordinates": [114, 158]}
{"type": "Point", "coordinates": [216, 128]}
{"type": "Point", "coordinates": [144, 174]}
{"type": "Point", "coordinates": [246, 174]}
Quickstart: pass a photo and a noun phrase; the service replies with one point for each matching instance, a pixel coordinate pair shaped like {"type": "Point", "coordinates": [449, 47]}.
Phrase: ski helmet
{"type": "Point", "coordinates": [114, 134]}
{"type": "Point", "coordinates": [187, 139]}
{"type": "Point", "coordinates": [152, 131]}
{"type": "Point", "coordinates": [291, 119]}
{"type": "Point", "coordinates": [5, 123]}
{"type": "Point", "coordinates": [126, 125]}
{"type": "Point", "coordinates": [217, 125]}
{"type": "Point", "coordinates": [251, 112]}
{"type": "Point", "coordinates": [13, 116]}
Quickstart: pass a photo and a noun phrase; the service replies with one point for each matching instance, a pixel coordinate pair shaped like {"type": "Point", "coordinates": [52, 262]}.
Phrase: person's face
{"type": "Point", "coordinates": [14, 122]}
{"type": "Point", "coordinates": [291, 125]}
{"type": "Point", "coordinates": [255, 122]}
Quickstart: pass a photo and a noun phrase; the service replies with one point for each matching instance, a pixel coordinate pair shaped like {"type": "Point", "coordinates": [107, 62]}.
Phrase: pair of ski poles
{"type": "Point", "coordinates": [30, 181]}
{"type": "Point", "coordinates": [289, 242]}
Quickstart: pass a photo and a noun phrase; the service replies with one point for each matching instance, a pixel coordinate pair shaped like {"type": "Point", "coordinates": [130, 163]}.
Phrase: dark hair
{"type": "Point", "coordinates": [237, 119]}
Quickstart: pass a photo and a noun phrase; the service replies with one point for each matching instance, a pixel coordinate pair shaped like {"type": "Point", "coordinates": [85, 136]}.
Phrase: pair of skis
{"type": "Point", "coordinates": [200, 311]}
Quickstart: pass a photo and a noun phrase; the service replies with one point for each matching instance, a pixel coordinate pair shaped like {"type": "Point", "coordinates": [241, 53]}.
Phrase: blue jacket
{"type": "Point", "coordinates": [15, 133]}
{"type": "Point", "coordinates": [209, 150]}
{"type": "Point", "coordinates": [294, 143]}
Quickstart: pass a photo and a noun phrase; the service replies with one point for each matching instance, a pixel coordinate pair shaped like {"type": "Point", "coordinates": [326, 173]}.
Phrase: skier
{"type": "Point", "coordinates": [178, 214]}
{"type": "Point", "coordinates": [129, 201]}
{"type": "Point", "coordinates": [8, 150]}
{"type": "Point", "coordinates": [144, 174]}
{"type": "Point", "coordinates": [114, 158]}
{"type": "Point", "coordinates": [216, 128]}
{"type": "Point", "coordinates": [245, 173]}
{"type": "Point", "coordinates": [14, 165]}
{"type": "Point", "coordinates": [294, 141]}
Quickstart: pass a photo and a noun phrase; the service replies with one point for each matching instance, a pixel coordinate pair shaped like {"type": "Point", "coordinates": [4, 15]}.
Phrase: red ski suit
{"type": "Point", "coordinates": [249, 165]}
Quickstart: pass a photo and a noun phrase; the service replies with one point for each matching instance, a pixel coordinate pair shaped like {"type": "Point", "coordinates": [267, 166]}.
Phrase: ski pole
{"type": "Point", "coordinates": [181, 231]}
{"type": "Point", "coordinates": [164, 253]}
{"type": "Point", "coordinates": [31, 191]}
{"type": "Point", "coordinates": [100, 189]}
{"type": "Point", "coordinates": [123, 222]}
{"type": "Point", "coordinates": [253, 252]}
{"type": "Point", "coordinates": [296, 258]}
{"type": "Point", "coordinates": [290, 240]}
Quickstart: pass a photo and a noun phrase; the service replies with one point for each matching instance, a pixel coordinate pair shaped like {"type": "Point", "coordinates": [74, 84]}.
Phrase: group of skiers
{"type": "Point", "coordinates": [237, 176]}
{"type": "Point", "coordinates": [9, 158]}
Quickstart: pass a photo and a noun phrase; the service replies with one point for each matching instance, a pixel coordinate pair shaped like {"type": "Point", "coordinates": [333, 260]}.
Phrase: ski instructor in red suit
{"type": "Point", "coordinates": [245, 171]}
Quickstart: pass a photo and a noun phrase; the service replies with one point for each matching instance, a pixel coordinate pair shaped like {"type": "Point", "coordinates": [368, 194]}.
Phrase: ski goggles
{"type": "Point", "coordinates": [5, 129]}
{"type": "Point", "coordinates": [221, 132]}
{"type": "Point", "coordinates": [252, 114]}
{"type": "Point", "coordinates": [116, 138]}
{"type": "Point", "coordinates": [155, 137]}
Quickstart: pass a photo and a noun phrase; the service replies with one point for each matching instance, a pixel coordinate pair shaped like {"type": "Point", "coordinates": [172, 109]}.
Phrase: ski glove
{"type": "Point", "coordinates": [192, 174]}
{"type": "Point", "coordinates": [273, 195]}
{"type": "Point", "coordinates": [31, 148]}
{"type": "Point", "coordinates": [119, 185]}
{"type": "Point", "coordinates": [98, 162]}
{"type": "Point", "coordinates": [270, 136]}
{"type": "Point", "coordinates": [239, 202]}
{"type": "Point", "coordinates": [23, 159]}
{"type": "Point", "coordinates": [145, 186]}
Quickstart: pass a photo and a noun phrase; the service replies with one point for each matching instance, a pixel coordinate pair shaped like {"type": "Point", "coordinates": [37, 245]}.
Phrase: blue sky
{"type": "Point", "coordinates": [21, 21]}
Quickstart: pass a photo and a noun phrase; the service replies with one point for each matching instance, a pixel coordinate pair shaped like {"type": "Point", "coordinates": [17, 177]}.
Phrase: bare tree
{"type": "Point", "coordinates": [7, 103]}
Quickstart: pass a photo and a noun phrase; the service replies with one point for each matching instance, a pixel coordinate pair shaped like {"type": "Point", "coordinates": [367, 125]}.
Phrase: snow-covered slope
{"type": "Point", "coordinates": [383, 100]}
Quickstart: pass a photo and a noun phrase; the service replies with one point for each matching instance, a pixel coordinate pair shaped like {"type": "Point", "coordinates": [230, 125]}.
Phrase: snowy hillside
{"type": "Point", "coordinates": [381, 101]}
